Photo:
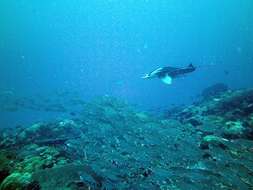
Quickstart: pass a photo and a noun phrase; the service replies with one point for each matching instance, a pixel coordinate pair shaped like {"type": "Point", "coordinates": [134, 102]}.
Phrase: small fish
{"type": "Point", "coordinates": [226, 72]}
{"type": "Point", "coordinates": [72, 113]}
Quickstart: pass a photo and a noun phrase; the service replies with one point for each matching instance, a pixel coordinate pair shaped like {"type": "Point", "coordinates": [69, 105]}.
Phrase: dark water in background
{"type": "Point", "coordinates": [100, 47]}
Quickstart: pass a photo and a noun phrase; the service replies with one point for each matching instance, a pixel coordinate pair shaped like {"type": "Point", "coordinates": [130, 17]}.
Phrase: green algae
{"type": "Point", "coordinates": [233, 128]}
{"type": "Point", "coordinates": [16, 181]}
{"type": "Point", "coordinates": [213, 139]}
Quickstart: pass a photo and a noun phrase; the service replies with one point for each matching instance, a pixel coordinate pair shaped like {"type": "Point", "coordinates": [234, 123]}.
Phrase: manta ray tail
{"type": "Point", "coordinates": [167, 79]}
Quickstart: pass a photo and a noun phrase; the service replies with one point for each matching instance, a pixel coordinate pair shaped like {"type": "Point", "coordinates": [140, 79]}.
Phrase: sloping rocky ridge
{"type": "Point", "coordinates": [111, 146]}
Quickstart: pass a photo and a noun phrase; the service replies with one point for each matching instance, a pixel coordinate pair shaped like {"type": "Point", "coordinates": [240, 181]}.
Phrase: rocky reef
{"type": "Point", "coordinates": [208, 145]}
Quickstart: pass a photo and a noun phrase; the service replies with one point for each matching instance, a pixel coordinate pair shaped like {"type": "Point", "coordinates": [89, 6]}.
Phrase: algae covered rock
{"type": "Point", "coordinates": [47, 157]}
{"type": "Point", "coordinates": [32, 132]}
{"type": "Point", "coordinates": [16, 181]}
{"type": "Point", "coordinates": [107, 110]}
{"type": "Point", "coordinates": [214, 90]}
{"type": "Point", "coordinates": [233, 129]}
{"type": "Point", "coordinates": [31, 164]}
{"type": "Point", "coordinates": [213, 140]}
{"type": "Point", "coordinates": [69, 176]}
{"type": "Point", "coordinates": [49, 133]}
{"type": "Point", "coordinates": [6, 163]}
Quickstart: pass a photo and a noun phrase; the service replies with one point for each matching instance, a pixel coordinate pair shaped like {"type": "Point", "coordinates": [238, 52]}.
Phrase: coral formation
{"type": "Point", "coordinates": [208, 145]}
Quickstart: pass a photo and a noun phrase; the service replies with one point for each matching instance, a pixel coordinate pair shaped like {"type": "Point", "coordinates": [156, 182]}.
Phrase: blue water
{"type": "Point", "coordinates": [103, 47]}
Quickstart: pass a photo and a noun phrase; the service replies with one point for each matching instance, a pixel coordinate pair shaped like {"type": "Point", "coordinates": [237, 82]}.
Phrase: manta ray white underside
{"type": "Point", "coordinates": [167, 79]}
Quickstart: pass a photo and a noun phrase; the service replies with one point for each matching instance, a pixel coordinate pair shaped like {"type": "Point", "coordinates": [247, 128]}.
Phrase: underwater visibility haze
{"type": "Point", "coordinates": [110, 94]}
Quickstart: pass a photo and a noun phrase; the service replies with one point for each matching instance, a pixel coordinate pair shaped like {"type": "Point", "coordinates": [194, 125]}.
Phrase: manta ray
{"type": "Point", "coordinates": [166, 74]}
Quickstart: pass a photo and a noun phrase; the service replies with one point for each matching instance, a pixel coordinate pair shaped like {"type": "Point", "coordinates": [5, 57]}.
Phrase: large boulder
{"type": "Point", "coordinates": [16, 181]}
{"type": "Point", "coordinates": [57, 132]}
